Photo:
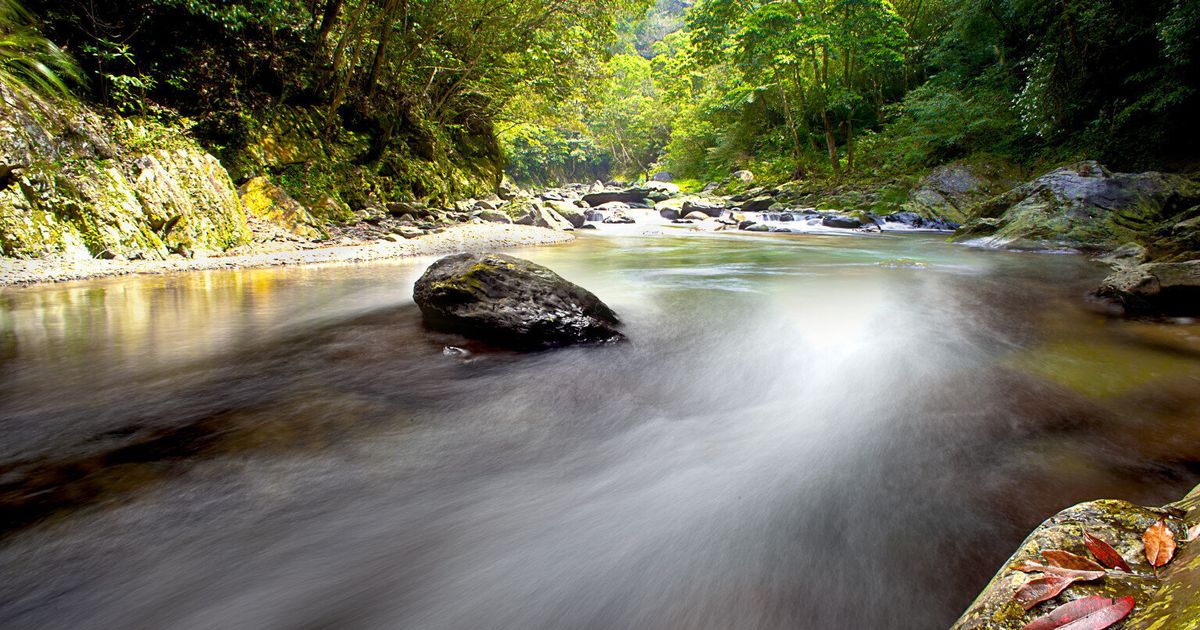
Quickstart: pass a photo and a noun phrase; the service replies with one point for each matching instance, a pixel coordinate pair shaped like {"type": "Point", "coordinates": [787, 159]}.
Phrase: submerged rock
{"type": "Point", "coordinates": [511, 302]}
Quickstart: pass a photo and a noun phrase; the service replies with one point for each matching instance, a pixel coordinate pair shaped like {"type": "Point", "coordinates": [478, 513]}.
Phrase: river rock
{"type": "Point", "coordinates": [1082, 206]}
{"type": "Point", "coordinates": [841, 221]}
{"type": "Point", "coordinates": [710, 207]}
{"type": "Point", "coordinates": [669, 214]}
{"type": "Point", "coordinates": [598, 199]}
{"type": "Point", "coordinates": [663, 176]}
{"type": "Point", "coordinates": [511, 302]}
{"type": "Point", "coordinates": [760, 203]}
{"type": "Point", "coordinates": [697, 216]}
{"type": "Point", "coordinates": [494, 216]}
{"type": "Point", "coordinates": [743, 176]}
{"type": "Point", "coordinates": [619, 218]}
{"type": "Point", "coordinates": [1171, 289]}
{"type": "Point", "coordinates": [569, 211]}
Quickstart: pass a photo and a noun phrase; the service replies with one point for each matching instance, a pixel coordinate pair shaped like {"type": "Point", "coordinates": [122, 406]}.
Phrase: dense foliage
{"type": "Point", "coordinates": [794, 88]}
{"type": "Point", "coordinates": [384, 83]}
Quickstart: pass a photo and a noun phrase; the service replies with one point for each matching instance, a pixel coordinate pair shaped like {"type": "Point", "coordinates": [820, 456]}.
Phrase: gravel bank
{"type": "Point", "coordinates": [462, 238]}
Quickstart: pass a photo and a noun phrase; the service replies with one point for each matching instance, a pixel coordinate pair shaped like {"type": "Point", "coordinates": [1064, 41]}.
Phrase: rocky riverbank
{"type": "Point", "coordinates": [461, 238]}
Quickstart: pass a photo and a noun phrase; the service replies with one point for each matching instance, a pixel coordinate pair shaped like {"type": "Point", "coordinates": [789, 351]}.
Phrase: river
{"type": "Point", "coordinates": [802, 432]}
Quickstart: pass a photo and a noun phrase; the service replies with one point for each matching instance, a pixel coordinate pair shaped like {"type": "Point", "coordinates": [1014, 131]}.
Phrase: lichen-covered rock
{"type": "Point", "coordinates": [1080, 206]}
{"type": "Point", "coordinates": [952, 190]}
{"type": "Point", "coordinates": [511, 302]}
{"type": "Point", "coordinates": [269, 202]}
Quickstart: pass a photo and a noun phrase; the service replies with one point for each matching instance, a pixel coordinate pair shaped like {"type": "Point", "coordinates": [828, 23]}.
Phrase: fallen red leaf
{"type": "Point", "coordinates": [1105, 553]}
{"type": "Point", "coordinates": [1160, 544]}
{"type": "Point", "coordinates": [1041, 589]}
{"type": "Point", "coordinates": [1069, 612]}
{"type": "Point", "coordinates": [1029, 566]}
{"type": "Point", "coordinates": [1102, 618]}
{"type": "Point", "coordinates": [1068, 560]}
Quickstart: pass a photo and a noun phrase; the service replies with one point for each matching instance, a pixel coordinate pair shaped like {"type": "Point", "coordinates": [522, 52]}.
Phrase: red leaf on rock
{"type": "Point", "coordinates": [1069, 612]}
{"type": "Point", "coordinates": [1068, 560]}
{"type": "Point", "coordinates": [1041, 589]}
{"type": "Point", "coordinates": [1029, 566]}
{"type": "Point", "coordinates": [1105, 553]}
{"type": "Point", "coordinates": [1102, 618]}
{"type": "Point", "coordinates": [1160, 544]}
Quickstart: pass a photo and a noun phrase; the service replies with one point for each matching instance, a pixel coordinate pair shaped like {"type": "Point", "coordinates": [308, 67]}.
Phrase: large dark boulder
{"type": "Point", "coordinates": [842, 222]}
{"type": "Point", "coordinates": [511, 302]}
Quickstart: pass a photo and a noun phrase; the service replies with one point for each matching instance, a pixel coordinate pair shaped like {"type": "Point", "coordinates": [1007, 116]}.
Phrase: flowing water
{"type": "Point", "coordinates": [802, 432]}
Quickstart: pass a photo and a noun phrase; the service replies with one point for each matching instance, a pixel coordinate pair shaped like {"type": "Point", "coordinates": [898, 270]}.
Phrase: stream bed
{"type": "Point", "coordinates": [803, 432]}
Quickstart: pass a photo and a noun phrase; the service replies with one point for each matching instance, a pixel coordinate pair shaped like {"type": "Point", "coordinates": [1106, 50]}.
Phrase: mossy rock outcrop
{"type": "Point", "coordinates": [952, 190]}
{"type": "Point", "coordinates": [78, 186]}
{"type": "Point", "coordinates": [1083, 207]}
{"type": "Point", "coordinates": [265, 200]}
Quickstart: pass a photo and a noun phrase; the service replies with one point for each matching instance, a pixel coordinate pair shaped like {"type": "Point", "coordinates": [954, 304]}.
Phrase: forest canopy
{"type": "Point", "coordinates": [572, 90]}
{"type": "Point", "coordinates": [825, 88]}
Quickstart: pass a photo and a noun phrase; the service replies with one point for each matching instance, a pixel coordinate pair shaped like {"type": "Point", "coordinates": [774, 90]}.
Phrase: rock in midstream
{"type": "Point", "coordinates": [511, 302]}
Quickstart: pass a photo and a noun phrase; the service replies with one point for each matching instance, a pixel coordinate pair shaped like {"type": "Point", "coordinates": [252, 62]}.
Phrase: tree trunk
{"type": "Point", "coordinates": [830, 143]}
{"type": "Point", "coordinates": [849, 145]}
{"type": "Point", "coordinates": [332, 8]}
{"type": "Point", "coordinates": [385, 36]}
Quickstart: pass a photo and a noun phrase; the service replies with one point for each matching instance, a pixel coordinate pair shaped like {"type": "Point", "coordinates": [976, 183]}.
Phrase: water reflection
{"type": "Point", "coordinates": [814, 433]}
